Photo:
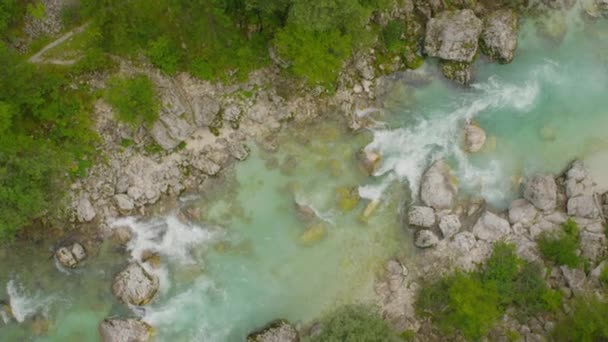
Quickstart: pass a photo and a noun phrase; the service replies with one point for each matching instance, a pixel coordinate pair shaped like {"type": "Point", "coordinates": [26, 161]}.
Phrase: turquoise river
{"type": "Point", "coordinates": [245, 261]}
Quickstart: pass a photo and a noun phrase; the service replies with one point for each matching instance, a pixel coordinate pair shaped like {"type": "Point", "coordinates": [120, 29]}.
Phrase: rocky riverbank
{"type": "Point", "coordinates": [458, 233]}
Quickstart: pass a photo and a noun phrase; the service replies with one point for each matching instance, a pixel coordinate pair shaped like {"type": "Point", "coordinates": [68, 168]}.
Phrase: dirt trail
{"type": "Point", "coordinates": [37, 58]}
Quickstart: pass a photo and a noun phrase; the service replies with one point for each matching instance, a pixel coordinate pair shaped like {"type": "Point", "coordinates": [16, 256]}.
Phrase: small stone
{"type": "Point", "coordinates": [425, 239]}
{"type": "Point", "coordinates": [312, 234]}
{"type": "Point", "coordinates": [124, 202]}
{"type": "Point", "coordinates": [421, 216]}
{"type": "Point", "coordinates": [84, 210]}
{"type": "Point", "coordinates": [475, 138]}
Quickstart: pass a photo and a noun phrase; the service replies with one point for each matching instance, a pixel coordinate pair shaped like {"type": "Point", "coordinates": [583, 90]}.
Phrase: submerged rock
{"type": "Point", "coordinates": [499, 35]}
{"type": "Point", "coordinates": [369, 161]}
{"type": "Point", "coordinates": [348, 198]}
{"type": "Point", "coordinates": [312, 234]}
{"type": "Point", "coordinates": [438, 188]}
{"type": "Point", "coordinates": [421, 216]}
{"type": "Point", "coordinates": [6, 313]}
{"type": "Point", "coordinates": [541, 191]}
{"type": "Point", "coordinates": [134, 285]}
{"type": "Point", "coordinates": [425, 238]}
{"type": "Point", "coordinates": [276, 331]}
{"type": "Point", "coordinates": [70, 256]}
{"type": "Point", "coordinates": [453, 36]}
{"type": "Point", "coordinates": [124, 330]}
{"type": "Point", "coordinates": [474, 138]}
{"type": "Point", "coordinates": [491, 227]}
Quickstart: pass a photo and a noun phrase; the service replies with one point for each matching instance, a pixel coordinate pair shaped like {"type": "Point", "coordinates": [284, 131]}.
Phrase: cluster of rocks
{"type": "Point", "coordinates": [276, 331]}
{"type": "Point", "coordinates": [454, 36]}
{"type": "Point", "coordinates": [459, 234]}
{"type": "Point", "coordinates": [135, 286]}
{"type": "Point", "coordinates": [71, 255]}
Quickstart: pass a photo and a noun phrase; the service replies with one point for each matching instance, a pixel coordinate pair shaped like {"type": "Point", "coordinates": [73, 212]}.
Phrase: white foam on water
{"type": "Point", "coordinates": [23, 304]}
{"type": "Point", "coordinates": [178, 314]}
{"type": "Point", "coordinates": [167, 236]}
{"type": "Point", "coordinates": [324, 216]}
{"type": "Point", "coordinates": [407, 151]}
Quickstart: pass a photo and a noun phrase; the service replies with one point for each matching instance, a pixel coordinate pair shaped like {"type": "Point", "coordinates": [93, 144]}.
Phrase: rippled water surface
{"type": "Point", "coordinates": [246, 256]}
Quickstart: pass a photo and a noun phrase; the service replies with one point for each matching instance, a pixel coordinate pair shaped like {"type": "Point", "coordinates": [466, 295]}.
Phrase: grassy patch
{"type": "Point", "coordinates": [354, 323]}
{"type": "Point", "coordinates": [561, 249]}
{"type": "Point", "coordinates": [133, 99]}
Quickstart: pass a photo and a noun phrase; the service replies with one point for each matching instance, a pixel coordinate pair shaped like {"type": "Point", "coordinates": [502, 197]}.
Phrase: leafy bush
{"type": "Point", "coordinates": [134, 100]}
{"type": "Point", "coordinates": [164, 55]}
{"type": "Point", "coordinates": [586, 322]}
{"type": "Point", "coordinates": [45, 139]}
{"type": "Point", "coordinates": [603, 274]}
{"type": "Point", "coordinates": [562, 248]}
{"type": "Point", "coordinates": [354, 323]}
{"type": "Point", "coordinates": [315, 56]}
{"type": "Point", "coordinates": [470, 303]}
{"type": "Point", "coordinates": [391, 36]}
{"type": "Point", "coordinates": [461, 302]}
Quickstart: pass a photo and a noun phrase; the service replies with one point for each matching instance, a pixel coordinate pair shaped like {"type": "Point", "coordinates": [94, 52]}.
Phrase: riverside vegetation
{"type": "Point", "coordinates": [48, 140]}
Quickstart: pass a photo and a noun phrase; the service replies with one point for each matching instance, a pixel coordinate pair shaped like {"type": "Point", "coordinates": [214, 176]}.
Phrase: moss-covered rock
{"type": "Point", "coordinates": [457, 71]}
{"type": "Point", "coordinates": [348, 198]}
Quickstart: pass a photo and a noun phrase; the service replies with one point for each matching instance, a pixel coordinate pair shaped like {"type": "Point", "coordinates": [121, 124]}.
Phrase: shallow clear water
{"type": "Point", "coordinates": [244, 260]}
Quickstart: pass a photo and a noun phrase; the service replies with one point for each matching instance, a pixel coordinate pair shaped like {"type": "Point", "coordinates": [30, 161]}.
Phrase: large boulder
{"type": "Point", "coordinates": [134, 285]}
{"type": "Point", "coordinates": [584, 206]}
{"type": "Point", "coordinates": [474, 138]}
{"type": "Point", "coordinates": [70, 256]}
{"type": "Point", "coordinates": [276, 331]}
{"type": "Point", "coordinates": [438, 188]}
{"type": "Point", "coordinates": [84, 209]}
{"type": "Point", "coordinates": [578, 182]}
{"type": "Point", "coordinates": [523, 212]}
{"type": "Point", "coordinates": [575, 278]}
{"type": "Point", "coordinates": [541, 191]}
{"type": "Point", "coordinates": [491, 227]}
{"type": "Point", "coordinates": [593, 245]}
{"type": "Point", "coordinates": [124, 330]}
{"type": "Point", "coordinates": [421, 216]}
{"type": "Point", "coordinates": [449, 225]}
{"type": "Point", "coordinates": [453, 35]}
{"type": "Point", "coordinates": [205, 109]}
{"type": "Point", "coordinates": [499, 35]}
{"type": "Point", "coordinates": [425, 238]}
